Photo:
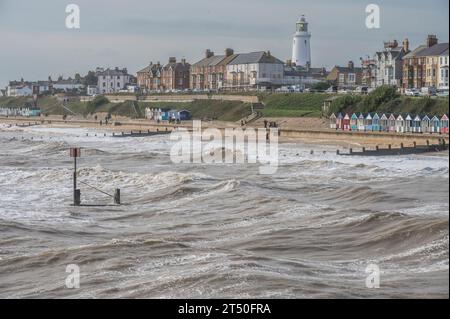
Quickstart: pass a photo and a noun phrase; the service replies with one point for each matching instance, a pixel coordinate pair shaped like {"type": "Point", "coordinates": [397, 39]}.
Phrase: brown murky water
{"type": "Point", "coordinates": [204, 231]}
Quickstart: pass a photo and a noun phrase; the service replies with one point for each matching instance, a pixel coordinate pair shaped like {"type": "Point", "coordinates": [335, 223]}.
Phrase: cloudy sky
{"type": "Point", "coordinates": [35, 42]}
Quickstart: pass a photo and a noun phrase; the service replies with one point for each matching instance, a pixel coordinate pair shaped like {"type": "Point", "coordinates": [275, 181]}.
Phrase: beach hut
{"type": "Point", "coordinates": [391, 123]}
{"type": "Point", "coordinates": [346, 122]}
{"type": "Point", "coordinates": [361, 122]}
{"type": "Point", "coordinates": [368, 122]}
{"type": "Point", "coordinates": [435, 125]}
{"type": "Point", "coordinates": [444, 124]}
{"type": "Point", "coordinates": [416, 124]}
{"type": "Point", "coordinates": [384, 123]}
{"type": "Point", "coordinates": [376, 122]}
{"type": "Point", "coordinates": [354, 122]}
{"type": "Point", "coordinates": [333, 121]}
{"type": "Point", "coordinates": [425, 124]}
{"type": "Point", "coordinates": [339, 121]}
{"type": "Point", "coordinates": [400, 124]}
{"type": "Point", "coordinates": [408, 123]}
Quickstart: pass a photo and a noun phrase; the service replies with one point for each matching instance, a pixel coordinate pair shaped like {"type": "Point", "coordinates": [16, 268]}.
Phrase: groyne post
{"type": "Point", "coordinates": [117, 196]}
{"type": "Point", "coordinates": [75, 152]}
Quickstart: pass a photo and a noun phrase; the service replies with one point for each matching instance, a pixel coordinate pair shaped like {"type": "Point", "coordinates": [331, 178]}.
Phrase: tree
{"type": "Point", "coordinates": [321, 86]}
{"type": "Point", "coordinates": [90, 79]}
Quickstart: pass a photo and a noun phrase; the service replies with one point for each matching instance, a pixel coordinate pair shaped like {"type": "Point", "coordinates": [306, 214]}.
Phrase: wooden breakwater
{"type": "Point", "coordinates": [402, 150]}
{"type": "Point", "coordinates": [141, 133]}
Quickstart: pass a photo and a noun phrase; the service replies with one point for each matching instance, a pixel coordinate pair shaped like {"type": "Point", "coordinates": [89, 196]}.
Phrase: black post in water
{"type": "Point", "coordinates": [117, 197]}
{"type": "Point", "coordinates": [75, 152]}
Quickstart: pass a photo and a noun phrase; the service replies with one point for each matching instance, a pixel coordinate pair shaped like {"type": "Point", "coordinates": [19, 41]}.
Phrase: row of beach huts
{"type": "Point", "coordinates": [373, 122]}
{"type": "Point", "coordinates": [20, 111]}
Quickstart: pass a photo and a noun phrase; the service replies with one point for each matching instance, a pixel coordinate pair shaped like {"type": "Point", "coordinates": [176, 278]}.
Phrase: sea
{"type": "Point", "coordinates": [322, 226]}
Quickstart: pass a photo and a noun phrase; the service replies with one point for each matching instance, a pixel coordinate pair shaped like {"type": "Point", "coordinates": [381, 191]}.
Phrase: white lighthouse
{"type": "Point", "coordinates": [301, 49]}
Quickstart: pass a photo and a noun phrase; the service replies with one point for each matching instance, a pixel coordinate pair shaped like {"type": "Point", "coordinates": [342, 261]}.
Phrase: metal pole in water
{"type": "Point", "coordinates": [75, 152]}
{"type": "Point", "coordinates": [117, 196]}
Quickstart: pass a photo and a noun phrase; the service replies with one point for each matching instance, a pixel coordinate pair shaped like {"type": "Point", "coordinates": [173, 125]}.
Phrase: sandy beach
{"type": "Point", "coordinates": [312, 131]}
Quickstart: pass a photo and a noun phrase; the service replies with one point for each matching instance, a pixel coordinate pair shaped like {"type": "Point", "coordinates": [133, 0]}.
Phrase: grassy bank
{"type": "Point", "coordinates": [200, 109]}
{"type": "Point", "coordinates": [387, 100]}
{"type": "Point", "coordinates": [294, 105]}
{"type": "Point", "coordinates": [382, 100]}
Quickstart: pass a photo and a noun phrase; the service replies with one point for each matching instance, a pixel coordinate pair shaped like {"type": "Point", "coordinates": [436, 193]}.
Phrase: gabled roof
{"type": "Point", "coordinates": [369, 116]}
{"type": "Point", "coordinates": [425, 118]}
{"type": "Point", "coordinates": [408, 117]}
{"type": "Point", "coordinates": [445, 117]}
{"type": "Point", "coordinates": [384, 117]}
{"type": "Point", "coordinates": [211, 61]}
{"type": "Point", "coordinates": [415, 52]}
{"type": "Point", "coordinates": [255, 57]}
{"type": "Point", "coordinates": [400, 118]}
{"type": "Point", "coordinates": [435, 50]}
{"type": "Point", "coordinates": [417, 118]}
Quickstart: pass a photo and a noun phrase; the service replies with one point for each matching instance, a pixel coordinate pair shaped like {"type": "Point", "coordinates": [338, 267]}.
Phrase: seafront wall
{"type": "Point", "coordinates": [176, 98]}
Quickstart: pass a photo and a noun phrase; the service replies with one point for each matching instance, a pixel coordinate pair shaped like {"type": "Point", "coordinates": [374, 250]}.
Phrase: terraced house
{"type": "Point", "coordinates": [443, 71]}
{"type": "Point", "coordinates": [346, 77]}
{"type": "Point", "coordinates": [175, 75]}
{"type": "Point", "coordinates": [210, 72]}
{"type": "Point", "coordinates": [149, 78]}
{"type": "Point", "coordinates": [254, 70]}
{"type": "Point", "coordinates": [415, 65]}
{"type": "Point", "coordinates": [389, 63]}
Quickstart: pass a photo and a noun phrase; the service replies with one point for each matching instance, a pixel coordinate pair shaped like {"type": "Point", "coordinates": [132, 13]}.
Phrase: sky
{"type": "Point", "coordinates": [35, 43]}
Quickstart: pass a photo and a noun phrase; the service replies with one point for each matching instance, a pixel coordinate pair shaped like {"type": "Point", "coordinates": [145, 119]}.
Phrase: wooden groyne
{"type": "Point", "coordinates": [141, 133]}
{"type": "Point", "coordinates": [402, 150]}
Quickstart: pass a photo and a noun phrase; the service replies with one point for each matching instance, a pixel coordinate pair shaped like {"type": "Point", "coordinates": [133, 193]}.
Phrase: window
{"type": "Point", "coordinates": [341, 78]}
{"type": "Point", "coordinates": [118, 84]}
{"type": "Point", "coordinates": [352, 77]}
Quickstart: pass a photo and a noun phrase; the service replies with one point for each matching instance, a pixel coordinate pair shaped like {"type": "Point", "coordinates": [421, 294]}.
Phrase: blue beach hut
{"type": "Point", "coordinates": [376, 122]}
{"type": "Point", "coordinates": [435, 125]}
{"type": "Point", "coordinates": [354, 122]}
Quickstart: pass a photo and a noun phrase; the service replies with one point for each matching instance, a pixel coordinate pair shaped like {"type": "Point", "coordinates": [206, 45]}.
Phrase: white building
{"type": "Point", "coordinates": [254, 71]}
{"type": "Point", "coordinates": [92, 90]}
{"type": "Point", "coordinates": [19, 90]}
{"type": "Point", "coordinates": [301, 48]}
{"type": "Point", "coordinates": [112, 81]}
{"type": "Point", "coordinates": [389, 64]}
{"type": "Point", "coordinates": [67, 85]}
{"type": "Point", "coordinates": [443, 71]}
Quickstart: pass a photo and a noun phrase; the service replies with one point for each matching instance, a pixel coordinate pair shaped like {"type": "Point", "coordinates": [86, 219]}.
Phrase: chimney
{"type": "Point", "coordinates": [172, 60]}
{"type": "Point", "coordinates": [351, 65]}
{"type": "Point", "coordinates": [229, 52]}
{"type": "Point", "coordinates": [406, 45]}
{"type": "Point", "coordinates": [431, 40]}
{"type": "Point", "coordinates": [209, 53]}
{"type": "Point", "coordinates": [183, 61]}
{"type": "Point", "coordinates": [289, 63]}
{"type": "Point", "coordinates": [268, 53]}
